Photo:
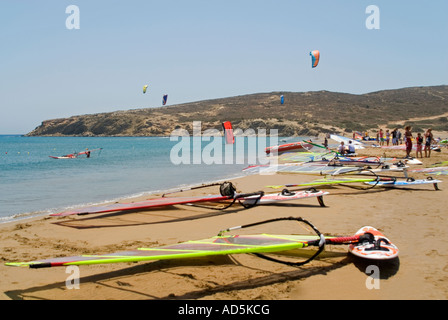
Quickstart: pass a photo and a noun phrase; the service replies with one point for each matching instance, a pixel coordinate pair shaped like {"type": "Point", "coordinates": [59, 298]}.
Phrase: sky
{"type": "Point", "coordinates": [205, 49]}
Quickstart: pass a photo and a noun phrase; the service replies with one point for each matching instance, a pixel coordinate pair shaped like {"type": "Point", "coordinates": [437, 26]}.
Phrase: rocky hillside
{"type": "Point", "coordinates": [303, 113]}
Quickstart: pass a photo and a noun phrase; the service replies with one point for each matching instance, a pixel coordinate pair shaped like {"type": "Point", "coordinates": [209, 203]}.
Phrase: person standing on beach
{"type": "Point", "coordinates": [408, 140]}
{"type": "Point", "coordinates": [387, 137]}
{"type": "Point", "coordinates": [394, 137]}
{"type": "Point", "coordinates": [381, 137]}
{"type": "Point", "coordinates": [419, 141]}
{"type": "Point", "coordinates": [428, 141]}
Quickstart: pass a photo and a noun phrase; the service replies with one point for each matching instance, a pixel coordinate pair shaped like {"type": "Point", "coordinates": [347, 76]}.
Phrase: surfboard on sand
{"type": "Point", "coordinates": [406, 183]}
{"type": "Point", "coordinates": [380, 248]}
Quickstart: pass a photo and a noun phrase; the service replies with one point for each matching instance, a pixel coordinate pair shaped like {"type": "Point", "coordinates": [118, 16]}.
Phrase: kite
{"type": "Point", "coordinates": [315, 56]}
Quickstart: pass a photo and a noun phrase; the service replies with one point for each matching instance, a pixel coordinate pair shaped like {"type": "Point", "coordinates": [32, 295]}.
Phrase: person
{"type": "Point", "coordinates": [387, 136]}
{"type": "Point", "coordinates": [394, 137]}
{"type": "Point", "coordinates": [399, 137]}
{"type": "Point", "coordinates": [325, 142]}
{"type": "Point", "coordinates": [428, 141]}
{"type": "Point", "coordinates": [408, 140]}
{"type": "Point", "coordinates": [419, 141]}
{"type": "Point", "coordinates": [341, 148]}
{"type": "Point", "coordinates": [381, 137]}
{"type": "Point", "coordinates": [351, 148]}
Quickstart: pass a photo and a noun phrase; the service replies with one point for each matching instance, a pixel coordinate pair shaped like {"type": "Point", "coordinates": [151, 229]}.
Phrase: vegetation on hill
{"type": "Point", "coordinates": [303, 113]}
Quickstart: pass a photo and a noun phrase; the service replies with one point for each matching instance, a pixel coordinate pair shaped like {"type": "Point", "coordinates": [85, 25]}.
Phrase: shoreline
{"type": "Point", "coordinates": [23, 217]}
{"type": "Point", "coordinates": [404, 216]}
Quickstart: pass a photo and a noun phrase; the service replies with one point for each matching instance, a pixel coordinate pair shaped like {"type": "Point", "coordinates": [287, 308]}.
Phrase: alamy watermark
{"type": "Point", "coordinates": [373, 280]}
{"type": "Point", "coordinates": [72, 281]}
{"type": "Point", "coordinates": [73, 21]}
{"type": "Point", "coordinates": [373, 20]}
{"type": "Point", "coordinates": [206, 147]}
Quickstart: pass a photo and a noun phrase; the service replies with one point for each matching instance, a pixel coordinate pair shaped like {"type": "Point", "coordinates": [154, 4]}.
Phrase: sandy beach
{"type": "Point", "coordinates": [414, 219]}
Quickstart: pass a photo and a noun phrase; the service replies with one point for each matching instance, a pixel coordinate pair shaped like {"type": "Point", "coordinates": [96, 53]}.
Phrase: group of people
{"type": "Point", "coordinates": [384, 138]}
{"type": "Point", "coordinates": [423, 142]}
{"type": "Point", "coordinates": [347, 150]}
{"type": "Point", "coordinates": [427, 139]}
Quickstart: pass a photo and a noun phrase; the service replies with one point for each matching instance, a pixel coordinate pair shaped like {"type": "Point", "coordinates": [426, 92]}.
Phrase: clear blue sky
{"type": "Point", "coordinates": [195, 50]}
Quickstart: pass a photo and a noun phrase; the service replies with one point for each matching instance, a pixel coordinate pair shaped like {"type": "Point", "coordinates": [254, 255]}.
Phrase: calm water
{"type": "Point", "coordinates": [32, 183]}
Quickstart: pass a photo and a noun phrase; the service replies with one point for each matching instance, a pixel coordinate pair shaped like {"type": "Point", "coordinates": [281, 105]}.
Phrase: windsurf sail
{"type": "Point", "coordinates": [74, 155]}
{"type": "Point", "coordinates": [147, 204]}
{"type": "Point", "coordinates": [228, 132]}
{"type": "Point", "coordinates": [356, 144]}
{"type": "Point", "coordinates": [348, 161]}
{"type": "Point", "coordinates": [87, 152]}
{"type": "Point", "coordinates": [222, 244]}
{"type": "Point", "coordinates": [321, 146]}
{"type": "Point", "coordinates": [227, 192]}
{"type": "Point", "coordinates": [294, 146]}
{"type": "Point", "coordinates": [145, 87]}
{"type": "Point", "coordinates": [439, 173]}
{"type": "Point", "coordinates": [227, 195]}
{"type": "Point", "coordinates": [440, 164]}
{"type": "Point", "coordinates": [306, 156]}
{"type": "Point", "coordinates": [324, 182]}
{"type": "Point", "coordinates": [430, 170]}
{"type": "Point", "coordinates": [306, 168]}
{"type": "Point", "coordinates": [164, 99]}
{"type": "Point", "coordinates": [320, 169]}
{"type": "Point", "coordinates": [282, 99]}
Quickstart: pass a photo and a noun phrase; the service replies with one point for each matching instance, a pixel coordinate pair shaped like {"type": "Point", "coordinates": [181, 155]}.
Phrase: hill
{"type": "Point", "coordinates": [303, 113]}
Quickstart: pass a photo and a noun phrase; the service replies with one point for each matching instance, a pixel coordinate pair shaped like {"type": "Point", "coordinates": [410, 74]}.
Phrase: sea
{"type": "Point", "coordinates": [34, 184]}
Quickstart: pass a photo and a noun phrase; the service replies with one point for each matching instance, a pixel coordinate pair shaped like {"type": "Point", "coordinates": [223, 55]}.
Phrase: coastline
{"type": "Point", "coordinates": [413, 219]}
{"type": "Point", "coordinates": [26, 216]}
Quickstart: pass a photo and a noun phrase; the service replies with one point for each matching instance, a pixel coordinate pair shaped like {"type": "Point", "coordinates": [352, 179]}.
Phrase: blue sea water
{"type": "Point", "coordinates": [32, 183]}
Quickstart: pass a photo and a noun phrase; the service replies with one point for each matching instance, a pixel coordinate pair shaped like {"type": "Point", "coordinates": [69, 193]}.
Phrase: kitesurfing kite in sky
{"type": "Point", "coordinates": [315, 56]}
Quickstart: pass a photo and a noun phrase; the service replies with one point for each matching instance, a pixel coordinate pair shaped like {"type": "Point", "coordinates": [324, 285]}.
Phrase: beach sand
{"type": "Point", "coordinates": [414, 219]}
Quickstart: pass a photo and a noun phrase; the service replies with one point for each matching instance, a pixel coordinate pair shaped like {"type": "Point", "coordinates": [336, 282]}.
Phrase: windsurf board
{"type": "Point", "coordinates": [285, 196]}
{"type": "Point", "coordinates": [405, 183]}
{"type": "Point", "coordinates": [381, 249]}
